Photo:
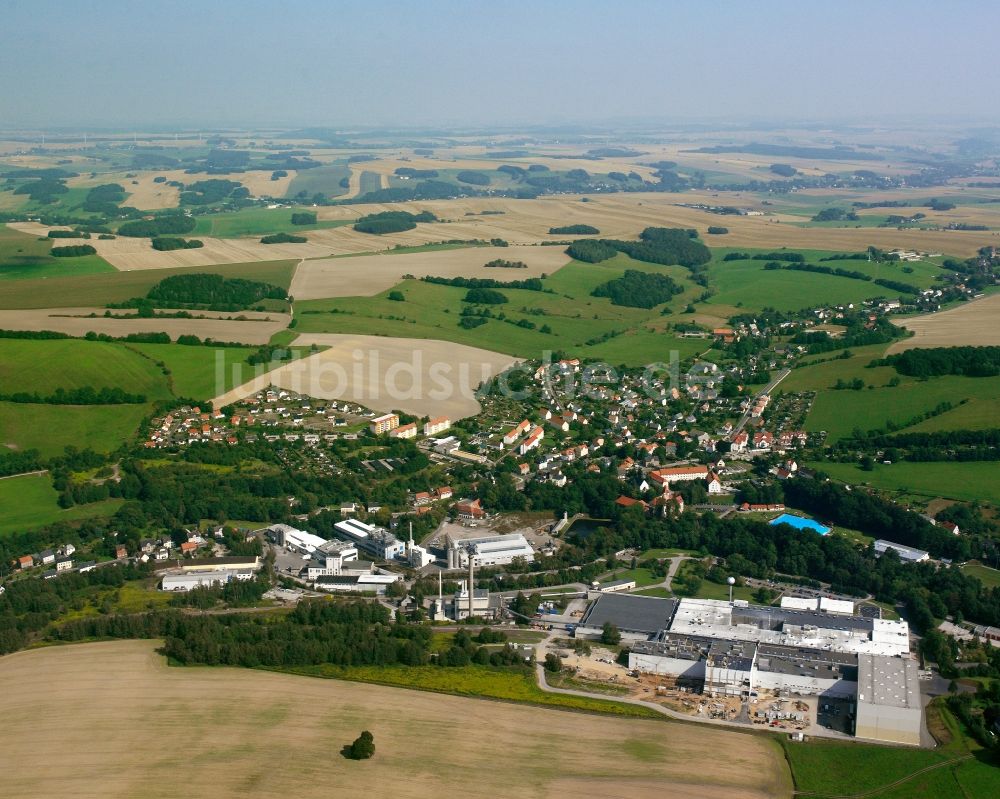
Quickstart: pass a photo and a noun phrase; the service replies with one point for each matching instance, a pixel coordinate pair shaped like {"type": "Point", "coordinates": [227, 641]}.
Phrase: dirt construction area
{"type": "Point", "coordinates": [111, 720]}
{"type": "Point", "coordinates": [424, 377]}
{"type": "Point", "coordinates": [366, 275]}
{"type": "Point", "coordinates": [975, 323]}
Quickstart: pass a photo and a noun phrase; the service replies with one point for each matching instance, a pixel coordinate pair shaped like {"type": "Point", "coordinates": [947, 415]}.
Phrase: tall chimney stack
{"type": "Point", "coordinates": [472, 577]}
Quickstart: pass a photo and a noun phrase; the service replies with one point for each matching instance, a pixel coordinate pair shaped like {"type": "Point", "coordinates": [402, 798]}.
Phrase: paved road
{"type": "Point", "coordinates": [767, 390]}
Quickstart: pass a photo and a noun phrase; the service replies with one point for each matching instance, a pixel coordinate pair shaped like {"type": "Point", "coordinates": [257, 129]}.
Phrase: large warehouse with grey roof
{"type": "Point", "coordinates": [738, 649]}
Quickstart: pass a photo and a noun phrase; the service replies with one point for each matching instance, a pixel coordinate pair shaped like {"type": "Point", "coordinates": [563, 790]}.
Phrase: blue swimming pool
{"type": "Point", "coordinates": [801, 523]}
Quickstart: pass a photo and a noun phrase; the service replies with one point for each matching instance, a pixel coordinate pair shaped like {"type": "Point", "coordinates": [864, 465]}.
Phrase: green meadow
{"type": "Point", "coordinates": [257, 222]}
{"type": "Point", "coordinates": [201, 373]}
{"type": "Point", "coordinates": [43, 366]}
{"type": "Point", "coordinates": [989, 577]}
{"type": "Point", "coordinates": [323, 179]}
{"type": "Point", "coordinates": [968, 481]}
{"type": "Point", "coordinates": [100, 289]}
{"type": "Point", "coordinates": [957, 767]}
{"type": "Point", "coordinates": [26, 257]}
{"type": "Point", "coordinates": [29, 501]}
{"type": "Point", "coordinates": [579, 323]}
{"type": "Point", "coordinates": [839, 412]}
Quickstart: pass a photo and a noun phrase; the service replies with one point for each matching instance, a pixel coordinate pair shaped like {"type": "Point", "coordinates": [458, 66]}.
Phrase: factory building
{"type": "Point", "coordinates": [908, 554]}
{"type": "Point", "coordinates": [638, 618]}
{"type": "Point", "coordinates": [809, 648]}
{"type": "Point", "coordinates": [240, 563]}
{"type": "Point", "coordinates": [300, 541]}
{"type": "Point", "coordinates": [822, 604]}
{"type": "Point", "coordinates": [888, 705]}
{"type": "Point", "coordinates": [188, 581]}
{"type": "Point", "coordinates": [492, 550]}
{"type": "Point", "coordinates": [456, 607]}
{"type": "Point", "coordinates": [335, 558]}
{"type": "Point", "coordinates": [376, 541]}
{"type": "Point", "coordinates": [357, 583]}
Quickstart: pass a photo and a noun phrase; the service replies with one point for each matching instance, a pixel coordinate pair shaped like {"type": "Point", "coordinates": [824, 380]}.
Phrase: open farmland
{"type": "Point", "coordinates": [839, 412]}
{"type": "Point", "coordinates": [975, 323]}
{"type": "Point", "coordinates": [202, 372]}
{"type": "Point", "coordinates": [422, 377]}
{"type": "Point", "coordinates": [747, 284]}
{"type": "Point", "coordinates": [120, 286]}
{"type": "Point", "coordinates": [255, 328]}
{"type": "Point", "coordinates": [29, 501]}
{"type": "Point", "coordinates": [565, 316]}
{"type": "Point", "coordinates": [528, 222]}
{"type": "Point", "coordinates": [625, 215]}
{"type": "Point", "coordinates": [52, 428]}
{"type": "Point", "coordinates": [24, 257]}
{"type": "Point", "coordinates": [93, 701]}
{"type": "Point", "coordinates": [367, 275]}
{"type": "Point", "coordinates": [323, 180]}
{"type": "Point", "coordinates": [969, 481]}
{"type": "Point", "coordinates": [975, 400]}
{"type": "Point", "coordinates": [44, 366]}
{"type": "Point", "coordinates": [256, 222]}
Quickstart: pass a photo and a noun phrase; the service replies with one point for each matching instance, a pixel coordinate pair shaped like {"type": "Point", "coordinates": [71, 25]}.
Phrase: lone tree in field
{"type": "Point", "coordinates": [362, 748]}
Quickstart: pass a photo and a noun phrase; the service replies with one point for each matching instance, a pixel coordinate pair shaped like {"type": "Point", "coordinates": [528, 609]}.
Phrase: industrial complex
{"type": "Point", "coordinates": [811, 648]}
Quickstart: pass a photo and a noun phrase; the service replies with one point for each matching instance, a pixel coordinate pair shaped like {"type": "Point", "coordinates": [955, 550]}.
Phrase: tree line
{"type": "Point", "coordinates": [939, 361]}
{"type": "Point", "coordinates": [528, 284]}
{"type": "Point", "coordinates": [84, 395]}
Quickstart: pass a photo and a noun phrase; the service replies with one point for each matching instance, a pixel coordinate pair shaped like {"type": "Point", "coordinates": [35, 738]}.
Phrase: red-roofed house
{"type": "Point", "coordinates": [513, 435]}
{"type": "Point", "coordinates": [469, 509]}
{"type": "Point", "coordinates": [532, 441]}
{"type": "Point", "coordinates": [714, 483]}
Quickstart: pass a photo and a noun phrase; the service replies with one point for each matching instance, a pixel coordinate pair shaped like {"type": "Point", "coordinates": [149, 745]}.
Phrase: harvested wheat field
{"type": "Point", "coordinates": [424, 377]}
{"type": "Point", "coordinates": [142, 192]}
{"type": "Point", "coordinates": [975, 323]}
{"type": "Point", "coordinates": [523, 222]}
{"type": "Point", "coordinates": [111, 720]}
{"type": "Point", "coordinates": [366, 275]}
{"type": "Point", "coordinates": [254, 328]}
{"type": "Point", "coordinates": [625, 215]}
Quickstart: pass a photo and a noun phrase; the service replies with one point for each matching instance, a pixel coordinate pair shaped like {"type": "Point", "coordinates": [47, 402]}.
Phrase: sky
{"type": "Point", "coordinates": [341, 63]}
